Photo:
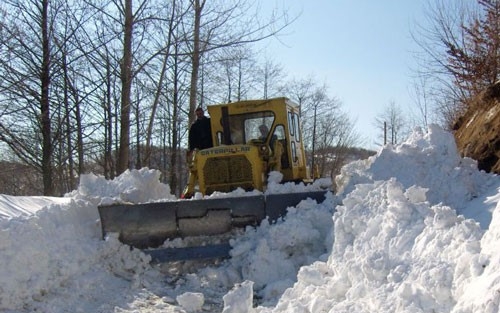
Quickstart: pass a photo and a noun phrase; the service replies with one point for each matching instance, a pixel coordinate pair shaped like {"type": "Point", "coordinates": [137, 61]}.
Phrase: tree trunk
{"type": "Point", "coordinates": [108, 127]}
{"type": "Point", "coordinates": [48, 188]}
{"type": "Point", "coordinates": [126, 79]}
{"type": "Point", "coordinates": [138, 162]}
{"type": "Point", "coordinates": [79, 136]}
{"type": "Point", "coordinates": [195, 58]}
{"type": "Point", "coordinates": [67, 119]}
{"type": "Point", "coordinates": [149, 131]}
{"type": "Point", "coordinates": [175, 132]}
{"type": "Point", "coordinates": [159, 88]}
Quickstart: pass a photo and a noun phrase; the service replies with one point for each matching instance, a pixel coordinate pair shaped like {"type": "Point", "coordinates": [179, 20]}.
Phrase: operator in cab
{"type": "Point", "coordinates": [200, 134]}
{"type": "Point", "coordinates": [263, 132]}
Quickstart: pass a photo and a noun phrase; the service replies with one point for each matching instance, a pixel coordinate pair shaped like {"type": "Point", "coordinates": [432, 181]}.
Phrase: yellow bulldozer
{"type": "Point", "coordinates": [251, 139]}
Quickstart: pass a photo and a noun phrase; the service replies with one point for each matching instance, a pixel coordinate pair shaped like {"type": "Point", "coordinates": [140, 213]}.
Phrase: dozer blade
{"type": "Point", "coordinates": [276, 204]}
{"type": "Point", "coordinates": [149, 225]}
{"type": "Point", "coordinates": [140, 225]}
{"type": "Point", "coordinates": [214, 251]}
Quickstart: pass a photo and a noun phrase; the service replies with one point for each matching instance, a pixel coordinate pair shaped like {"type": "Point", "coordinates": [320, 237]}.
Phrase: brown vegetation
{"type": "Point", "coordinates": [477, 130]}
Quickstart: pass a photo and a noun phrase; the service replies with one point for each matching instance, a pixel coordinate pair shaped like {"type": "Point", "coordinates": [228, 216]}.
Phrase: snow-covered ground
{"type": "Point", "coordinates": [415, 228]}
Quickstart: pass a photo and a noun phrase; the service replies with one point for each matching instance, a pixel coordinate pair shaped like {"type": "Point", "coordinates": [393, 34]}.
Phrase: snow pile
{"type": "Point", "coordinates": [45, 250]}
{"type": "Point", "coordinates": [395, 253]}
{"type": "Point", "coordinates": [271, 255]}
{"type": "Point", "coordinates": [57, 241]}
{"type": "Point", "coordinates": [397, 248]}
{"type": "Point", "coordinates": [429, 160]}
{"type": "Point", "coordinates": [136, 186]}
{"type": "Point", "coordinates": [276, 187]}
{"type": "Point", "coordinates": [481, 294]}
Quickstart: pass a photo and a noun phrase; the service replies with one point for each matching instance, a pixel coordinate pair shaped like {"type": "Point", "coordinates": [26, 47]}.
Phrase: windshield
{"type": "Point", "coordinates": [245, 127]}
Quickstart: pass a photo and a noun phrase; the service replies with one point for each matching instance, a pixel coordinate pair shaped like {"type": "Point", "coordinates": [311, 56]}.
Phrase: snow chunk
{"type": "Point", "coordinates": [191, 301]}
{"type": "Point", "coordinates": [240, 299]}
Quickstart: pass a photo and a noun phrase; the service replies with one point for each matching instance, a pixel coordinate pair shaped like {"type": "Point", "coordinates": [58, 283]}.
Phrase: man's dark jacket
{"type": "Point", "coordinates": [200, 134]}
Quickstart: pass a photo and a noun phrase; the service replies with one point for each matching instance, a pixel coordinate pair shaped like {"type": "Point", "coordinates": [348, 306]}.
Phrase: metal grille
{"type": "Point", "coordinates": [227, 173]}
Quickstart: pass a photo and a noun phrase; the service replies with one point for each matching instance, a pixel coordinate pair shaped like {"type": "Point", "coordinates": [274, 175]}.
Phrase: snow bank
{"type": "Point", "coordinates": [24, 207]}
{"type": "Point", "coordinates": [427, 159]}
{"type": "Point", "coordinates": [399, 244]}
{"type": "Point", "coordinates": [481, 292]}
{"type": "Point", "coordinates": [57, 241]}
{"type": "Point", "coordinates": [46, 250]}
{"type": "Point", "coordinates": [394, 253]}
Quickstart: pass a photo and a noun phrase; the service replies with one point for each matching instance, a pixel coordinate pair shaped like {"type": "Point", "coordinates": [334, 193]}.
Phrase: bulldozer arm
{"type": "Point", "coordinates": [150, 224]}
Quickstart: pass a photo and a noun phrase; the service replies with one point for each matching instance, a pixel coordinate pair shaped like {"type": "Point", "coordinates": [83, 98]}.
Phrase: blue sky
{"type": "Point", "coordinates": [362, 49]}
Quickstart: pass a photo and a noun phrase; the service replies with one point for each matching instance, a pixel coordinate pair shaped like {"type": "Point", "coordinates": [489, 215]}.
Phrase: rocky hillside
{"type": "Point", "coordinates": [477, 132]}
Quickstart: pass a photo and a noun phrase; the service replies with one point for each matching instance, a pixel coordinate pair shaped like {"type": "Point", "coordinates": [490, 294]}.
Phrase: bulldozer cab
{"type": "Point", "coordinates": [271, 125]}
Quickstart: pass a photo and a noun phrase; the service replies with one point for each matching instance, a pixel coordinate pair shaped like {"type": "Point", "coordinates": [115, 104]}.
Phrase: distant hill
{"type": "Point", "coordinates": [477, 131]}
{"type": "Point", "coordinates": [360, 153]}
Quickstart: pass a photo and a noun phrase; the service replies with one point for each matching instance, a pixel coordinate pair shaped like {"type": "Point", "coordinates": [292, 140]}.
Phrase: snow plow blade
{"type": "Point", "coordinates": [214, 251]}
{"type": "Point", "coordinates": [149, 225]}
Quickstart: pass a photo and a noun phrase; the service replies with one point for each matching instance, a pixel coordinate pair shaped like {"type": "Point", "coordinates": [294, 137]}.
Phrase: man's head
{"type": "Point", "coordinates": [263, 130]}
{"type": "Point", "coordinates": [199, 113]}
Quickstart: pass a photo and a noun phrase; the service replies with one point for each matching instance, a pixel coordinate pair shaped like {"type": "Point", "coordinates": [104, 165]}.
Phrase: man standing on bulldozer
{"type": "Point", "coordinates": [200, 134]}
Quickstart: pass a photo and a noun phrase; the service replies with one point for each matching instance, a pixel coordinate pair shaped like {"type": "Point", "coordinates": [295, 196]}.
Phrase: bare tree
{"type": "Point", "coordinates": [475, 65]}
{"type": "Point", "coordinates": [336, 139]}
{"type": "Point", "coordinates": [299, 90]}
{"type": "Point", "coordinates": [126, 79]}
{"type": "Point", "coordinates": [27, 67]}
{"type": "Point", "coordinates": [422, 103]}
{"type": "Point", "coordinates": [270, 73]}
{"type": "Point", "coordinates": [41, 92]}
{"type": "Point", "coordinates": [48, 187]}
{"type": "Point", "coordinates": [144, 44]}
{"type": "Point", "coordinates": [458, 53]}
{"type": "Point", "coordinates": [223, 25]}
{"type": "Point", "coordinates": [171, 25]}
{"type": "Point", "coordinates": [101, 78]}
{"type": "Point", "coordinates": [195, 55]}
{"type": "Point", "coordinates": [391, 122]}
{"type": "Point", "coordinates": [70, 95]}
{"type": "Point", "coordinates": [229, 74]}
{"type": "Point", "coordinates": [328, 133]}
